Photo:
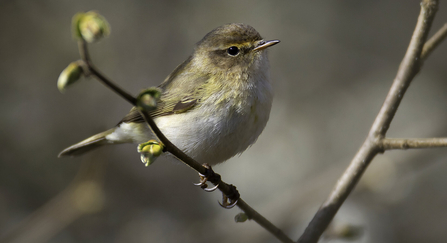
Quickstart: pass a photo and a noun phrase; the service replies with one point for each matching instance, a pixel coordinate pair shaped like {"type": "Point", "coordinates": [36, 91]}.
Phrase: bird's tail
{"type": "Point", "coordinates": [86, 145]}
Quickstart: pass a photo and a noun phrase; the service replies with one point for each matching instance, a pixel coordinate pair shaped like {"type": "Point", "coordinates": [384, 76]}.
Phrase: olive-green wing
{"type": "Point", "coordinates": [180, 93]}
{"type": "Point", "coordinates": [163, 109]}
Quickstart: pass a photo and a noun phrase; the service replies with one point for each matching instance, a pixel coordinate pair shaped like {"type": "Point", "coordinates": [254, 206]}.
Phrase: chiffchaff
{"type": "Point", "coordinates": [213, 106]}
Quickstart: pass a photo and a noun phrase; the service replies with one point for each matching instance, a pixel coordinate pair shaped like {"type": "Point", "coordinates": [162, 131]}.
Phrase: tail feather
{"type": "Point", "coordinates": [86, 145]}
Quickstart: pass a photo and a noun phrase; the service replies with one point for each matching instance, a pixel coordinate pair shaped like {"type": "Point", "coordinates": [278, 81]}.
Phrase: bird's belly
{"type": "Point", "coordinates": [215, 137]}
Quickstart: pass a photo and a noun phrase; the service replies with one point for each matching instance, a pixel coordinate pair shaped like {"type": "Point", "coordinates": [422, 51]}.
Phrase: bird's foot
{"type": "Point", "coordinates": [228, 201]}
{"type": "Point", "coordinates": [210, 176]}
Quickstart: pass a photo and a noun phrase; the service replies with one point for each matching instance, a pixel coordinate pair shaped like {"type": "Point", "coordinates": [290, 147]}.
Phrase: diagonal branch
{"type": "Point", "coordinates": [171, 148]}
{"type": "Point", "coordinates": [408, 69]}
{"type": "Point", "coordinates": [91, 70]}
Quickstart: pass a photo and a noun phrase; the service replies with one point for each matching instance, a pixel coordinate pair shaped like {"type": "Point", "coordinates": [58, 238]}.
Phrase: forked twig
{"type": "Point", "coordinates": [375, 142]}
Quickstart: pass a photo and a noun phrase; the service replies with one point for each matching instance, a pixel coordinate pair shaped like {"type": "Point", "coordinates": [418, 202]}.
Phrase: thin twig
{"type": "Point", "coordinates": [82, 44]}
{"type": "Point", "coordinates": [171, 148]}
{"type": "Point", "coordinates": [409, 67]}
{"type": "Point", "coordinates": [434, 41]}
{"type": "Point", "coordinates": [411, 143]}
{"type": "Point", "coordinates": [224, 187]}
{"type": "Point", "coordinates": [258, 218]}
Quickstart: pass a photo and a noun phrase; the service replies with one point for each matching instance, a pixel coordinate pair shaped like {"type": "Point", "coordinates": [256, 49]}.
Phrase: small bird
{"type": "Point", "coordinates": [212, 106]}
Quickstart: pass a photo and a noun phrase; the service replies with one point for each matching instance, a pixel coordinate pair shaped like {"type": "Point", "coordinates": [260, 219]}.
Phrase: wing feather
{"type": "Point", "coordinates": [179, 94]}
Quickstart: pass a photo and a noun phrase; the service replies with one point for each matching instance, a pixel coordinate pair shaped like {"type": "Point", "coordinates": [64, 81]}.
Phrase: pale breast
{"type": "Point", "coordinates": [212, 134]}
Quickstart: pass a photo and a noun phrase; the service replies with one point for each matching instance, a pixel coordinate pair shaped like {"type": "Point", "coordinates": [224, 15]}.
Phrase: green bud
{"type": "Point", "coordinates": [147, 99]}
{"type": "Point", "coordinates": [72, 73]}
{"type": "Point", "coordinates": [90, 26]}
{"type": "Point", "coordinates": [75, 25]}
{"type": "Point", "coordinates": [350, 232]}
{"type": "Point", "coordinates": [150, 151]}
{"type": "Point", "coordinates": [240, 217]}
{"type": "Point", "coordinates": [343, 231]}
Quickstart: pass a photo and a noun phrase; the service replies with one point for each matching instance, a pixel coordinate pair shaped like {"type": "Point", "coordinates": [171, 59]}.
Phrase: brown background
{"type": "Point", "coordinates": [331, 72]}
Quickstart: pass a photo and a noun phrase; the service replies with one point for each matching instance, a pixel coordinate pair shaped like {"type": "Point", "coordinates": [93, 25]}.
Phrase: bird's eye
{"type": "Point", "coordinates": [233, 51]}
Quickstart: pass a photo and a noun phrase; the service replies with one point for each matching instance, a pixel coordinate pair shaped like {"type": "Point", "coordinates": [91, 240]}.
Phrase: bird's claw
{"type": "Point", "coordinates": [202, 181]}
{"type": "Point", "coordinates": [208, 176]}
{"type": "Point", "coordinates": [204, 186]}
{"type": "Point", "coordinates": [229, 201]}
{"type": "Point", "coordinates": [211, 189]}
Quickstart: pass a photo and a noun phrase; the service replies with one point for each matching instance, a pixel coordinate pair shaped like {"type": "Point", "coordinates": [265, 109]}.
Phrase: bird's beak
{"type": "Point", "coordinates": [264, 44]}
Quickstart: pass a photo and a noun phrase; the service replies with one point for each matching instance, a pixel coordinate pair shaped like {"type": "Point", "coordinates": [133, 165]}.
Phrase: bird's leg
{"type": "Point", "coordinates": [210, 176]}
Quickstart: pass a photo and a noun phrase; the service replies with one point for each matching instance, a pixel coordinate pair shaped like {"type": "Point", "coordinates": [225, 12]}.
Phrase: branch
{"type": "Point", "coordinates": [407, 70]}
{"type": "Point", "coordinates": [171, 148]}
{"type": "Point", "coordinates": [91, 70]}
{"type": "Point", "coordinates": [434, 41]}
{"type": "Point", "coordinates": [411, 143]}
{"type": "Point", "coordinates": [84, 196]}
{"type": "Point", "coordinates": [409, 67]}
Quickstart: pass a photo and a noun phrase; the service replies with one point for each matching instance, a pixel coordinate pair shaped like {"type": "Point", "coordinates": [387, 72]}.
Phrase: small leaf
{"type": "Point", "coordinates": [72, 73]}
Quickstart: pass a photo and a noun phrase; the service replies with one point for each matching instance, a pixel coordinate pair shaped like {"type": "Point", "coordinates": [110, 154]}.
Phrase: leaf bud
{"type": "Point", "coordinates": [72, 73]}
{"type": "Point", "coordinates": [150, 151]}
{"type": "Point", "coordinates": [90, 26]}
{"type": "Point", "coordinates": [147, 99]}
{"type": "Point", "coordinates": [240, 217]}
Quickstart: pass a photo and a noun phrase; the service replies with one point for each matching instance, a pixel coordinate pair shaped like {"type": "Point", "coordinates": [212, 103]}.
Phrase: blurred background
{"type": "Point", "coordinates": [331, 73]}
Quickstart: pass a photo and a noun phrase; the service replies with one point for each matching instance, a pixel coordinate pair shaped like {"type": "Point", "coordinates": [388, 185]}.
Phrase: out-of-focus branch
{"type": "Point", "coordinates": [408, 69]}
{"type": "Point", "coordinates": [411, 143]}
{"type": "Point", "coordinates": [434, 41]}
{"type": "Point", "coordinates": [171, 148]}
{"type": "Point", "coordinates": [84, 196]}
